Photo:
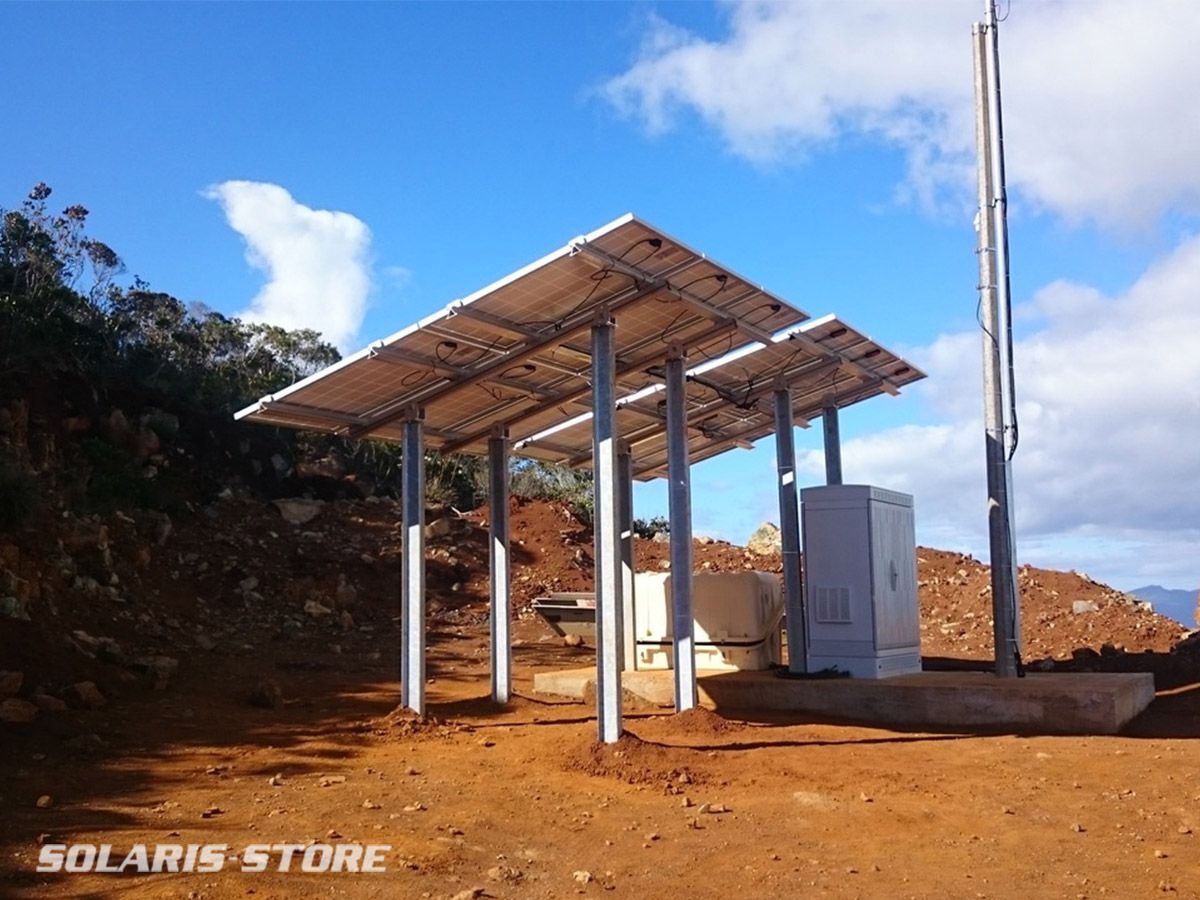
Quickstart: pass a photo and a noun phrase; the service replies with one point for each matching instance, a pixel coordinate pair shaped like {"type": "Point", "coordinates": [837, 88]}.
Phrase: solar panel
{"type": "Point", "coordinates": [729, 399]}
{"type": "Point", "coordinates": [516, 353]}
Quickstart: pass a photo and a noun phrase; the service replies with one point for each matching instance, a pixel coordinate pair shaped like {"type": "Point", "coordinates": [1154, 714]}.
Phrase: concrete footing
{"type": "Point", "coordinates": [1040, 703]}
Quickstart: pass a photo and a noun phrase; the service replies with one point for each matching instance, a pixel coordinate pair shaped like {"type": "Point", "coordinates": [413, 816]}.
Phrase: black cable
{"type": "Point", "coordinates": [602, 275]}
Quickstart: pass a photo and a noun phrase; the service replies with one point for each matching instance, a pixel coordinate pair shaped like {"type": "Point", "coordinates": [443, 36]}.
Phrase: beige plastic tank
{"type": "Point", "coordinates": [737, 620]}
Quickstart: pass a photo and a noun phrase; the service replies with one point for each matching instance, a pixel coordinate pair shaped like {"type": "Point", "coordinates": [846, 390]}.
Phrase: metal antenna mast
{"type": "Point", "coordinates": [995, 319]}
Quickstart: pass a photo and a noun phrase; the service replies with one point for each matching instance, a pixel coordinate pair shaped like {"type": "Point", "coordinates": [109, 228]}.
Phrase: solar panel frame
{"type": "Point", "coordinates": [453, 363]}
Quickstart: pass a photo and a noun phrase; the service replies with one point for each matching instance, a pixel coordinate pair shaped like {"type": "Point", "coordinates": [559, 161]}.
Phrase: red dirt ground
{"type": "Point", "coordinates": [521, 802]}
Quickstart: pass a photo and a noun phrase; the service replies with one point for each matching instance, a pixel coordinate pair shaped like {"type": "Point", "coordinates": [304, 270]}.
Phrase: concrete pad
{"type": "Point", "coordinates": [1040, 703]}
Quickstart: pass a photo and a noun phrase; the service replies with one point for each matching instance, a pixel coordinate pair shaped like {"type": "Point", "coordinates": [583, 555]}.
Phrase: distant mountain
{"type": "Point", "coordinates": [1179, 605]}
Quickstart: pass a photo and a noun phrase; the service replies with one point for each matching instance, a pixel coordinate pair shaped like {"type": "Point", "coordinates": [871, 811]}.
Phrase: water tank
{"type": "Point", "coordinates": [860, 580]}
{"type": "Point", "coordinates": [737, 617]}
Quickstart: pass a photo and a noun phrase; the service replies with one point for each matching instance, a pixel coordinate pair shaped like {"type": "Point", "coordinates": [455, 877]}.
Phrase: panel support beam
{"type": "Point", "coordinates": [393, 354]}
{"type": "Point", "coordinates": [580, 391]}
{"type": "Point", "coordinates": [573, 325]}
{"type": "Point", "coordinates": [501, 608]}
{"type": "Point", "coordinates": [412, 584]}
{"type": "Point", "coordinates": [789, 529]}
{"type": "Point", "coordinates": [609, 606]}
{"type": "Point", "coordinates": [680, 509]}
{"type": "Point", "coordinates": [328, 418]}
{"type": "Point", "coordinates": [833, 441]}
{"type": "Point", "coordinates": [607, 261]}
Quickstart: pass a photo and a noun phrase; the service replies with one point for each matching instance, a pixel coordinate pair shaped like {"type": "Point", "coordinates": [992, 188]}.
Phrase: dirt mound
{"type": "Point", "coordinates": [633, 761]}
{"type": "Point", "coordinates": [1061, 612]}
{"type": "Point", "coordinates": [696, 722]}
{"type": "Point", "coordinates": [402, 722]}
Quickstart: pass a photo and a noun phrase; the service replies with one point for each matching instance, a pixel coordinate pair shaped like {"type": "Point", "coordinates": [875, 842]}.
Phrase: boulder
{"type": "Point", "coordinates": [299, 511]}
{"type": "Point", "coordinates": [10, 683]}
{"type": "Point", "coordinates": [442, 527]}
{"type": "Point", "coordinates": [767, 539]}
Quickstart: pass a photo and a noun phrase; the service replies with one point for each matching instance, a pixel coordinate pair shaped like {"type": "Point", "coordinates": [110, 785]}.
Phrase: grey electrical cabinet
{"type": "Point", "coordinates": [860, 580]}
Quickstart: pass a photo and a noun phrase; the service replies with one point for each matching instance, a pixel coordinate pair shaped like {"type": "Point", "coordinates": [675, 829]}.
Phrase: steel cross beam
{"type": "Point", "coordinates": [576, 324]}
{"type": "Point", "coordinates": [407, 357]}
{"type": "Point", "coordinates": [608, 261]}
{"type": "Point", "coordinates": [331, 418]}
{"type": "Point", "coordinates": [863, 372]}
{"type": "Point", "coordinates": [582, 391]}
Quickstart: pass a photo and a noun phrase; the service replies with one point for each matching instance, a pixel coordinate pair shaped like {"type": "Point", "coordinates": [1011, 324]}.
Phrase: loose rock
{"type": "Point", "coordinates": [17, 712]}
{"type": "Point", "coordinates": [89, 694]}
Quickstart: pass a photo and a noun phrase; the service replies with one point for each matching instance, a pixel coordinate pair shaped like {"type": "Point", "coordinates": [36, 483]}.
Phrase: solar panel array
{"type": "Point", "coordinates": [516, 354]}
{"type": "Point", "coordinates": [730, 399]}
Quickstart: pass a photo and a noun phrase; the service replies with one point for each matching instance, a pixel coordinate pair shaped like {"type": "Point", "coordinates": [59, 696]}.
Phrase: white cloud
{"type": "Point", "coordinates": [316, 261]}
{"type": "Point", "coordinates": [1109, 407]}
{"type": "Point", "coordinates": [1101, 124]}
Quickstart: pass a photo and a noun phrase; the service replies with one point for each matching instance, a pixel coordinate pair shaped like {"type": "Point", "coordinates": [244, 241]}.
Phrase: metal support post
{"type": "Point", "coordinates": [680, 509]}
{"type": "Point", "coordinates": [1004, 591]}
{"type": "Point", "coordinates": [607, 530]}
{"type": "Point", "coordinates": [501, 612]}
{"type": "Point", "coordinates": [789, 529]}
{"type": "Point", "coordinates": [833, 442]}
{"type": "Point", "coordinates": [625, 504]}
{"type": "Point", "coordinates": [412, 585]}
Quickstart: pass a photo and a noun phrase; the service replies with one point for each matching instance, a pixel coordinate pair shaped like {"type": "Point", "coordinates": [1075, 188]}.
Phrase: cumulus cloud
{"type": "Point", "coordinates": [1100, 122]}
{"type": "Point", "coordinates": [316, 261]}
{"type": "Point", "coordinates": [1109, 407]}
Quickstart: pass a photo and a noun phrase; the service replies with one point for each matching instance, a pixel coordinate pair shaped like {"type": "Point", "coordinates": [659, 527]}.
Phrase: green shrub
{"type": "Point", "coordinates": [648, 528]}
{"type": "Point", "coordinates": [547, 481]}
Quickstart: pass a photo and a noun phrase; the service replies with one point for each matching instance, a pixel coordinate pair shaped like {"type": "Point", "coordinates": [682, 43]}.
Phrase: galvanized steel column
{"type": "Point", "coordinates": [501, 613]}
{"type": "Point", "coordinates": [833, 442]}
{"type": "Point", "coordinates": [606, 530]}
{"type": "Point", "coordinates": [680, 508]}
{"type": "Point", "coordinates": [412, 584]}
{"type": "Point", "coordinates": [625, 504]}
{"type": "Point", "coordinates": [1005, 602]}
{"type": "Point", "coordinates": [789, 530]}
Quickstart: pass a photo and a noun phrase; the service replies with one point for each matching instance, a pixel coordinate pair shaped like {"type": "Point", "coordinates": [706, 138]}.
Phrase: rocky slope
{"type": "Point", "coordinates": [98, 606]}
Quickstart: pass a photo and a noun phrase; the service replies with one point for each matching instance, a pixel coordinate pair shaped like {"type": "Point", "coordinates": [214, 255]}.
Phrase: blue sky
{"type": "Point", "coordinates": [823, 149]}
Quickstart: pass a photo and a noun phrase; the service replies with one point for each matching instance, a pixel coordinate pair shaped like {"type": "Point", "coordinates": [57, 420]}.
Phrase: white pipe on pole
{"type": "Point", "coordinates": [680, 509]}
{"type": "Point", "coordinates": [501, 612]}
{"type": "Point", "coordinates": [412, 584]}
{"type": "Point", "coordinates": [625, 502]}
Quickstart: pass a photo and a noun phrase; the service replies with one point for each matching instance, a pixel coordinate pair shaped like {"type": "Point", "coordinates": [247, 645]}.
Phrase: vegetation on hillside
{"type": "Point", "coordinates": [108, 391]}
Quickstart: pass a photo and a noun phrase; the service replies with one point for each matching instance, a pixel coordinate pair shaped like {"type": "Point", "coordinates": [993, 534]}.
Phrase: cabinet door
{"type": "Point", "coordinates": [894, 576]}
{"type": "Point", "coordinates": [838, 574]}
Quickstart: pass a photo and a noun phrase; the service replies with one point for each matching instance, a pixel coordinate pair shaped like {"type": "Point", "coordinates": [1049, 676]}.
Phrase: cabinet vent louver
{"type": "Point", "coordinates": [833, 605]}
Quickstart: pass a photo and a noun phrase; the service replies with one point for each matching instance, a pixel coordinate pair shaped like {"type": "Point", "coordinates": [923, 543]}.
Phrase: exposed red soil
{"type": "Point", "coordinates": [520, 802]}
